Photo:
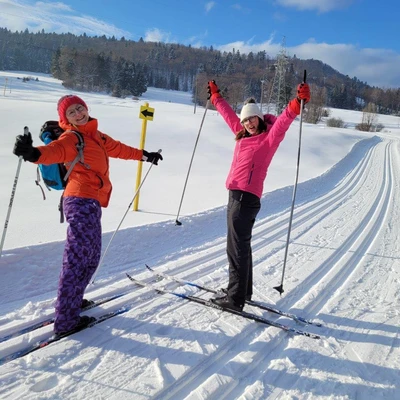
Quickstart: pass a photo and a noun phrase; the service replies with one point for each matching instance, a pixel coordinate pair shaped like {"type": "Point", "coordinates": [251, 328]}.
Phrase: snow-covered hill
{"type": "Point", "coordinates": [342, 267]}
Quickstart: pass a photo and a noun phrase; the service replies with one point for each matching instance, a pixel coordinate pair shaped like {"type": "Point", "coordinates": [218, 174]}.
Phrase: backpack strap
{"type": "Point", "coordinates": [79, 157]}
{"type": "Point", "coordinates": [37, 181]}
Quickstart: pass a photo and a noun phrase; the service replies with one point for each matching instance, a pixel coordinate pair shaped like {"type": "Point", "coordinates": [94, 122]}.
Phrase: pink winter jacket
{"type": "Point", "coordinates": [253, 155]}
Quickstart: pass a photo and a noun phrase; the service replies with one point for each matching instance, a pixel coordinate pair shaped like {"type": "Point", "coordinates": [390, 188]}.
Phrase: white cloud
{"type": "Point", "coordinates": [209, 5]}
{"type": "Point", "coordinates": [377, 67]}
{"type": "Point", "coordinates": [196, 40]}
{"type": "Point", "coordinates": [320, 5]}
{"type": "Point", "coordinates": [53, 6]}
{"type": "Point", "coordinates": [246, 47]}
{"type": "Point", "coordinates": [18, 15]}
{"type": "Point", "coordinates": [157, 35]}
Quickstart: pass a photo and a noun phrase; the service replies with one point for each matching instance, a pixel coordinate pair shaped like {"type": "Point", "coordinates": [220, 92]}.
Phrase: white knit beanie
{"type": "Point", "coordinates": [249, 110]}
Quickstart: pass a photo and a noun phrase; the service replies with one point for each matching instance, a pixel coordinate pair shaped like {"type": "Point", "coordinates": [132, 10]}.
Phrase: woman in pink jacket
{"type": "Point", "coordinates": [257, 138]}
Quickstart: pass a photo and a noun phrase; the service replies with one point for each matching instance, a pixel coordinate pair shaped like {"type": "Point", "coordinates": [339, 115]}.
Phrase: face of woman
{"type": "Point", "coordinates": [77, 114]}
{"type": "Point", "coordinates": [251, 124]}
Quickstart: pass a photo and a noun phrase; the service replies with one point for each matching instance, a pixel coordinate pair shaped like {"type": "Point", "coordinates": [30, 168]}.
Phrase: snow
{"type": "Point", "coordinates": [342, 265]}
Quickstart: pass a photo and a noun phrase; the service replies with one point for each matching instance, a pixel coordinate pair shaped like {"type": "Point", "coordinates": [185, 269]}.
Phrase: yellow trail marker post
{"type": "Point", "coordinates": [146, 114]}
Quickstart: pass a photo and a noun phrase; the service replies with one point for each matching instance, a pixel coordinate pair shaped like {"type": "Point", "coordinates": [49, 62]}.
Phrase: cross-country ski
{"type": "Point", "coordinates": [208, 303]}
{"type": "Point", "coordinates": [49, 321]}
{"type": "Point", "coordinates": [257, 304]}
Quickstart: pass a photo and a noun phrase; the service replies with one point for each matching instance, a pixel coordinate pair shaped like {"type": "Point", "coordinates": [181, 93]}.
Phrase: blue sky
{"type": "Point", "coordinates": [356, 37]}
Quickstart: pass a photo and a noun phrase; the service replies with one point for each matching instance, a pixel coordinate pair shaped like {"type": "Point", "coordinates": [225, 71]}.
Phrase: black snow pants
{"type": "Point", "coordinates": [243, 208]}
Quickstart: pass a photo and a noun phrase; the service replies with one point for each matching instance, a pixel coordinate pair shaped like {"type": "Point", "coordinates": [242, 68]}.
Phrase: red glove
{"type": "Point", "coordinates": [213, 91]}
{"type": "Point", "coordinates": [303, 93]}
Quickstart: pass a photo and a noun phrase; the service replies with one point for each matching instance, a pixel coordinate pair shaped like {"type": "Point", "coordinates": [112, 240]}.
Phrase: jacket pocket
{"type": "Point", "coordinates": [250, 174]}
{"type": "Point", "coordinates": [101, 183]}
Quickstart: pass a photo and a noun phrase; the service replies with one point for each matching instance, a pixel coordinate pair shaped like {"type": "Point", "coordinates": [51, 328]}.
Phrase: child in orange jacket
{"type": "Point", "coordinates": [88, 189]}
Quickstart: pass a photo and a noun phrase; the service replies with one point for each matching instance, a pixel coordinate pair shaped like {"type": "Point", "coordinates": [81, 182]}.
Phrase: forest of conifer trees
{"type": "Point", "coordinates": [123, 68]}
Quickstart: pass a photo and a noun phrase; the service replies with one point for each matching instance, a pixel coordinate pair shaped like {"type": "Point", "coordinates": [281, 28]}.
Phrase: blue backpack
{"type": "Point", "coordinates": [55, 176]}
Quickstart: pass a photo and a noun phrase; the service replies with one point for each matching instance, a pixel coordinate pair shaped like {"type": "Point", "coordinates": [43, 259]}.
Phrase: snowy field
{"type": "Point", "coordinates": [342, 268]}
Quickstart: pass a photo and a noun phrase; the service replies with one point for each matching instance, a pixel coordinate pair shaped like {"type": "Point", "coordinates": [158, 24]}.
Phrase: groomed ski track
{"type": "Point", "coordinates": [342, 229]}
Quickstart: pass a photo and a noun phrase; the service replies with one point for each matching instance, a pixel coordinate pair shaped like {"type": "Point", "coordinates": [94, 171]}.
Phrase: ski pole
{"type": "Point", "coordinates": [177, 222]}
{"type": "Point", "coordinates": [280, 287]}
{"type": "Point", "coordinates": [126, 212]}
{"type": "Point", "coordinates": [14, 188]}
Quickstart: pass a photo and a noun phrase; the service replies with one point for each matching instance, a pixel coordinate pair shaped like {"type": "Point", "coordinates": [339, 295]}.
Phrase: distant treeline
{"type": "Point", "coordinates": [123, 67]}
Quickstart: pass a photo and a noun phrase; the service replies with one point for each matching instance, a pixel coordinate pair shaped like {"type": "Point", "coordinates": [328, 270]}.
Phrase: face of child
{"type": "Point", "coordinates": [77, 114]}
{"type": "Point", "coordinates": [251, 124]}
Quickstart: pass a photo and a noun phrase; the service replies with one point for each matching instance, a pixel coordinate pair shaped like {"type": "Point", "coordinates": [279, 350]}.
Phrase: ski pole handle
{"type": "Point", "coordinates": [159, 152]}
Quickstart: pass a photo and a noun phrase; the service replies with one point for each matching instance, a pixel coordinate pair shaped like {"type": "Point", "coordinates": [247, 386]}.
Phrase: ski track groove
{"type": "Point", "coordinates": [6, 330]}
{"type": "Point", "coordinates": [306, 216]}
{"type": "Point", "coordinates": [364, 230]}
{"type": "Point", "coordinates": [187, 383]}
{"type": "Point", "coordinates": [260, 237]}
{"type": "Point", "coordinates": [140, 318]}
{"type": "Point", "coordinates": [183, 386]}
{"type": "Point", "coordinates": [367, 230]}
{"type": "Point", "coordinates": [342, 274]}
{"type": "Point", "coordinates": [12, 345]}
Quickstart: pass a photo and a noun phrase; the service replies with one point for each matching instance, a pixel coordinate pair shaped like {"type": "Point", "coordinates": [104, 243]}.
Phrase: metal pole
{"type": "Point", "coordinates": [119, 225]}
{"type": "Point", "coordinates": [280, 287]}
{"type": "Point", "coordinates": [177, 222]}
{"type": "Point", "coordinates": [14, 188]}
{"type": "Point", "coordinates": [3, 238]}
{"type": "Point", "coordinates": [195, 94]}
{"type": "Point", "coordinates": [262, 94]}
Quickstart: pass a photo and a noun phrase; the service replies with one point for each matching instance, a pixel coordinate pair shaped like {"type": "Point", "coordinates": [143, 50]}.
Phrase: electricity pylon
{"type": "Point", "coordinates": [278, 89]}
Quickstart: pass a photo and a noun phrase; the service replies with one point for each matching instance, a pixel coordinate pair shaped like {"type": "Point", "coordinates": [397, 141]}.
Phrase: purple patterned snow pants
{"type": "Point", "coordinates": [81, 258]}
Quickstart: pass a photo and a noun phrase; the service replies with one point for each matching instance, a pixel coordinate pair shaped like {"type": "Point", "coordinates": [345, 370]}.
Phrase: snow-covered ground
{"type": "Point", "coordinates": [342, 267]}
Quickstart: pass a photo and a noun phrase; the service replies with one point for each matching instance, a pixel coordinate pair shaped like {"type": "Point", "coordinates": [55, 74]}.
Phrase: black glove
{"type": "Point", "coordinates": [23, 148]}
{"type": "Point", "coordinates": [153, 157]}
{"type": "Point", "coordinates": [50, 129]}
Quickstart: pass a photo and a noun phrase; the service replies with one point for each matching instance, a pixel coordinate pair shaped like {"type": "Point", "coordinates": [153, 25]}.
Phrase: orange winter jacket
{"type": "Point", "coordinates": [90, 177]}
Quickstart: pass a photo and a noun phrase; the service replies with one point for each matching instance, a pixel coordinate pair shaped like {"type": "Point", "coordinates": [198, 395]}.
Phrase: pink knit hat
{"type": "Point", "coordinates": [65, 102]}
